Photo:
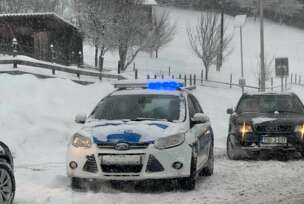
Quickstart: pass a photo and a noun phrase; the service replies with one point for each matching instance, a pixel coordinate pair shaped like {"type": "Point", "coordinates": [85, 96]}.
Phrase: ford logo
{"type": "Point", "coordinates": [122, 146]}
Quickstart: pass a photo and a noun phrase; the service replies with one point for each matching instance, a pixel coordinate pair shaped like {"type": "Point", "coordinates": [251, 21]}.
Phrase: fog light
{"type": "Point", "coordinates": [177, 165]}
{"type": "Point", "coordinates": [73, 165]}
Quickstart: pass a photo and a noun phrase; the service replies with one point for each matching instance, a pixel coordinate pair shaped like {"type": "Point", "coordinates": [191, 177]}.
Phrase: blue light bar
{"type": "Point", "coordinates": [166, 85]}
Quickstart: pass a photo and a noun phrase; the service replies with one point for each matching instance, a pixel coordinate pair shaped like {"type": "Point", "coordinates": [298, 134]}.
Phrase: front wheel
{"type": "Point", "coordinates": [208, 170]}
{"type": "Point", "coordinates": [79, 184]}
{"type": "Point", "coordinates": [7, 184]}
{"type": "Point", "coordinates": [232, 152]}
{"type": "Point", "coordinates": [189, 183]}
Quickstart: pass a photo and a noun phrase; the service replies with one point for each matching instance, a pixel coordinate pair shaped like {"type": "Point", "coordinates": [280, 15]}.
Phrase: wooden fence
{"type": "Point", "coordinates": [55, 68]}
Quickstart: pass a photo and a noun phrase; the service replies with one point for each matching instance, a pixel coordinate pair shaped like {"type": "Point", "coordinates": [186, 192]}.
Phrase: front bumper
{"type": "Point", "coordinates": [90, 165]}
{"type": "Point", "coordinates": [253, 143]}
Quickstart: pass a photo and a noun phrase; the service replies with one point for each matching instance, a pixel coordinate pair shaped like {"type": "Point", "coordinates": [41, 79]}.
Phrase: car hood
{"type": "Point", "coordinates": [130, 132]}
{"type": "Point", "coordinates": [266, 118]}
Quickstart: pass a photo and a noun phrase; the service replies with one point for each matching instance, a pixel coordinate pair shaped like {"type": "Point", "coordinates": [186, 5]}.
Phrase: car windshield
{"type": "Point", "coordinates": [270, 104]}
{"type": "Point", "coordinates": [140, 107]}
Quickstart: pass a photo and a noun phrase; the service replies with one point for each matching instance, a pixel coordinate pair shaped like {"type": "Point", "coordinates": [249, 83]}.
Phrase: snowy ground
{"type": "Point", "coordinates": [37, 122]}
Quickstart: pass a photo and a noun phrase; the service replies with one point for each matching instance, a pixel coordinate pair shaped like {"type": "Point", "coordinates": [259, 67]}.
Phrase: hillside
{"type": "Point", "coordinates": [280, 41]}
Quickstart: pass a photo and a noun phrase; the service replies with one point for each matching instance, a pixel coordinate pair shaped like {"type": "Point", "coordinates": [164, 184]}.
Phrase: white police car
{"type": "Point", "coordinates": [154, 130]}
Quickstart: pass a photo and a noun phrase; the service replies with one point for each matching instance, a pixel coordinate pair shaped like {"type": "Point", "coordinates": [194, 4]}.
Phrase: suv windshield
{"type": "Point", "coordinates": [270, 104]}
{"type": "Point", "coordinates": [139, 107]}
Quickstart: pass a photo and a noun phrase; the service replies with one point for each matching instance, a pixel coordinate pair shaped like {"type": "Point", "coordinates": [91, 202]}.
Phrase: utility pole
{"type": "Point", "coordinates": [263, 72]}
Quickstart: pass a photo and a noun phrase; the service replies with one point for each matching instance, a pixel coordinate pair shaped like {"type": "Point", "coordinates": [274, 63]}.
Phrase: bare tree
{"type": "Point", "coordinates": [205, 40]}
{"type": "Point", "coordinates": [163, 31]}
{"type": "Point", "coordinates": [131, 30]}
{"type": "Point", "coordinates": [95, 21]}
{"type": "Point", "coordinates": [280, 8]}
{"type": "Point", "coordinates": [269, 68]}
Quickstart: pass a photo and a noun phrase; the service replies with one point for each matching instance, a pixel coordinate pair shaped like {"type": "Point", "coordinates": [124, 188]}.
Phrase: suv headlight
{"type": "Point", "coordinates": [245, 129]}
{"type": "Point", "coordinates": [300, 131]}
{"type": "Point", "coordinates": [81, 141]}
{"type": "Point", "coordinates": [169, 142]}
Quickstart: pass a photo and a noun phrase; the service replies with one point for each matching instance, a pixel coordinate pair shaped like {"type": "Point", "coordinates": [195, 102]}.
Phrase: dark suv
{"type": "Point", "coordinates": [268, 123]}
{"type": "Point", "coordinates": [7, 179]}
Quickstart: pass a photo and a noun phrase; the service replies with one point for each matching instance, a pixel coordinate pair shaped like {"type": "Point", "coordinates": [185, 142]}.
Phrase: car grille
{"type": "Point", "coordinates": [131, 146]}
{"type": "Point", "coordinates": [274, 128]}
{"type": "Point", "coordinates": [121, 168]}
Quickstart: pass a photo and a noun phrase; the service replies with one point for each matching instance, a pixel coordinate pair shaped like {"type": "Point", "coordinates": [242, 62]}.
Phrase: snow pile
{"type": "Point", "coordinates": [39, 113]}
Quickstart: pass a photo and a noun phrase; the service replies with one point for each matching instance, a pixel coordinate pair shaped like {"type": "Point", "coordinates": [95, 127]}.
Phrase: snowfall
{"type": "Point", "coordinates": [37, 122]}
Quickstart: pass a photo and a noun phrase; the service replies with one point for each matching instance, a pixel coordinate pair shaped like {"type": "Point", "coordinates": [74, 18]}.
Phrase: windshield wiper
{"type": "Point", "coordinates": [150, 119]}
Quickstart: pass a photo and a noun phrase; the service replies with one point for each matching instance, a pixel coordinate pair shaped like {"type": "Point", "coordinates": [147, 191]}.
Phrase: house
{"type": "Point", "coordinates": [44, 36]}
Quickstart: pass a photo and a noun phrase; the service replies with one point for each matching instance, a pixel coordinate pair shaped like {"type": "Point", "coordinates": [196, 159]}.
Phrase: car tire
{"type": "Point", "coordinates": [7, 183]}
{"type": "Point", "coordinates": [189, 183]}
{"type": "Point", "coordinates": [79, 184]}
{"type": "Point", "coordinates": [208, 170]}
{"type": "Point", "coordinates": [232, 152]}
{"type": "Point", "coordinates": [8, 155]}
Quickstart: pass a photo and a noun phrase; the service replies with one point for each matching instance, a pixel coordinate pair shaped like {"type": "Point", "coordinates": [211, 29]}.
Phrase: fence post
{"type": "Point", "coordinates": [194, 80]}
{"type": "Point", "coordinates": [291, 77]}
{"type": "Point", "coordinates": [202, 77]}
{"type": "Point", "coordinates": [53, 71]}
{"type": "Point", "coordinates": [119, 67]}
{"type": "Point", "coordinates": [15, 52]}
{"type": "Point", "coordinates": [231, 80]}
{"type": "Point", "coordinates": [190, 79]}
{"type": "Point", "coordinates": [78, 75]}
{"type": "Point", "coordinates": [169, 71]}
{"type": "Point", "coordinates": [148, 76]}
{"type": "Point", "coordinates": [271, 84]}
{"type": "Point", "coordinates": [155, 76]}
{"type": "Point", "coordinates": [259, 85]}
{"type": "Point", "coordinates": [136, 74]}
{"type": "Point", "coordinates": [286, 83]}
{"type": "Point", "coordinates": [185, 79]}
{"type": "Point", "coordinates": [296, 78]}
{"type": "Point", "coordinates": [179, 76]}
{"type": "Point", "coordinates": [134, 67]}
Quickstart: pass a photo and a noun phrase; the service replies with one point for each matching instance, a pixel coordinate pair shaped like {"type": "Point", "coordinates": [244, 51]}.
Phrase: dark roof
{"type": "Point", "coordinates": [44, 14]}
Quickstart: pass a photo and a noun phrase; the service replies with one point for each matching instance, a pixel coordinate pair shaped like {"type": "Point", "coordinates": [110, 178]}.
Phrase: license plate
{"type": "Point", "coordinates": [274, 140]}
{"type": "Point", "coordinates": [121, 159]}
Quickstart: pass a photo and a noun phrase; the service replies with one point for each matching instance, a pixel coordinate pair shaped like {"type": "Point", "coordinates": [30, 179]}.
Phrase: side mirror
{"type": "Point", "coordinates": [230, 111]}
{"type": "Point", "coordinates": [81, 118]}
{"type": "Point", "coordinates": [200, 118]}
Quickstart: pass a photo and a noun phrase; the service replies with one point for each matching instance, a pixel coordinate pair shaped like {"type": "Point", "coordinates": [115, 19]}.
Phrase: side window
{"type": "Point", "coordinates": [197, 107]}
{"type": "Point", "coordinates": [191, 107]}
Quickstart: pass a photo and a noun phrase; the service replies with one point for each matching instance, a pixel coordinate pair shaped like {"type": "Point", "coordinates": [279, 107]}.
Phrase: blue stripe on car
{"type": "Point", "coordinates": [162, 126]}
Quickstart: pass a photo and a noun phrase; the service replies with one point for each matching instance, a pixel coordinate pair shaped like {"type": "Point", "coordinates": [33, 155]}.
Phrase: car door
{"type": "Point", "coordinates": [201, 132]}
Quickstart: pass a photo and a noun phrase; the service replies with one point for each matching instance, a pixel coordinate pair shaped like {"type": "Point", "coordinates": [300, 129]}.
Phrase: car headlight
{"type": "Point", "coordinates": [81, 141]}
{"type": "Point", "coordinates": [245, 129]}
{"type": "Point", "coordinates": [170, 141]}
{"type": "Point", "coordinates": [300, 131]}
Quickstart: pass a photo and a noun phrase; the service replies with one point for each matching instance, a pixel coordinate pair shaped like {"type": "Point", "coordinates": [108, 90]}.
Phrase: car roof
{"type": "Point", "coordinates": [141, 91]}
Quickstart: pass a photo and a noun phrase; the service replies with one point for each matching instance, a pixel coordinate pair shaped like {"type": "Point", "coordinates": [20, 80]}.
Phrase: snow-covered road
{"type": "Point", "coordinates": [36, 121]}
{"type": "Point", "coordinates": [232, 182]}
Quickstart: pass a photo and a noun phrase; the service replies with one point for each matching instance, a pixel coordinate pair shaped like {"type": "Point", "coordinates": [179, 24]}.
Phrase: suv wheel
{"type": "Point", "coordinates": [232, 152]}
{"type": "Point", "coordinates": [79, 184]}
{"type": "Point", "coordinates": [208, 170]}
{"type": "Point", "coordinates": [188, 183]}
{"type": "Point", "coordinates": [7, 184]}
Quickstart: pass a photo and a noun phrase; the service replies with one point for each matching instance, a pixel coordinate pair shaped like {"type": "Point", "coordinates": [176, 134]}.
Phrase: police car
{"type": "Point", "coordinates": [143, 131]}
